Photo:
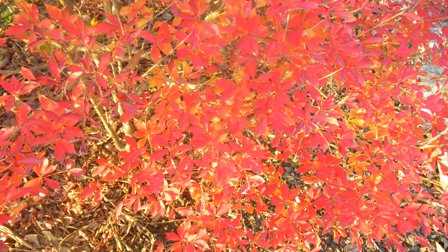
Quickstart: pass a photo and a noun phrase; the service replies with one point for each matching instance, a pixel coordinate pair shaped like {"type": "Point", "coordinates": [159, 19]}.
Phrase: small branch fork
{"type": "Point", "coordinates": [428, 142]}
{"type": "Point", "coordinates": [120, 145]}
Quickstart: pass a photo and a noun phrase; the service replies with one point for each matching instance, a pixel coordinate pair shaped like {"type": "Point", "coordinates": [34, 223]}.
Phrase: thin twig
{"type": "Point", "coordinates": [166, 56]}
{"type": "Point", "coordinates": [384, 22]}
{"type": "Point", "coordinates": [331, 74]}
{"type": "Point", "coordinates": [429, 141]}
{"type": "Point", "coordinates": [17, 71]}
{"type": "Point", "coordinates": [312, 28]}
{"type": "Point", "coordinates": [11, 234]}
{"type": "Point", "coordinates": [120, 145]}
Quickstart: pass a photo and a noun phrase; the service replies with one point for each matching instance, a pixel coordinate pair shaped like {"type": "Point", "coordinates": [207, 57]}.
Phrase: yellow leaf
{"type": "Point", "coordinates": [142, 22]}
{"type": "Point", "coordinates": [93, 22]}
{"type": "Point", "coordinates": [358, 122]}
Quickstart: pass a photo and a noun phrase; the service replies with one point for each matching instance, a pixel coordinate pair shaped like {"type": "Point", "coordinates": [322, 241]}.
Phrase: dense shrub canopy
{"type": "Point", "coordinates": [249, 125]}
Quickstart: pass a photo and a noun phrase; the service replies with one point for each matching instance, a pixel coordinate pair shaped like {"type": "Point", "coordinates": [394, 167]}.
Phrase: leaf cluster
{"type": "Point", "coordinates": [242, 125]}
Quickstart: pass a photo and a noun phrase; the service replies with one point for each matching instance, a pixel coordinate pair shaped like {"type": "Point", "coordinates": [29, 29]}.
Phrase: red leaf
{"type": "Point", "coordinates": [160, 247]}
{"type": "Point", "coordinates": [183, 229]}
{"type": "Point", "coordinates": [76, 172]}
{"type": "Point", "coordinates": [172, 236]}
{"type": "Point", "coordinates": [53, 184]}
{"type": "Point", "coordinates": [89, 191]}
{"type": "Point", "coordinates": [29, 87]}
{"type": "Point", "coordinates": [11, 193]}
{"type": "Point", "coordinates": [3, 246]}
{"type": "Point", "coordinates": [248, 45]}
{"type": "Point", "coordinates": [223, 209]}
{"type": "Point", "coordinates": [104, 27]}
{"type": "Point", "coordinates": [202, 245]}
{"type": "Point", "coordinates": [228, 88]}
{"type": "Point", "coordinates": [33, 186]}
{"type": "Point", "coordinates": [147, 36]}
{"type": "Point", "coordinates": [73, 25]}
{"type": "Point", "coordinates": [4, 218]}
{"type": "Point", "coordinates": [12, 86]}
{"type": "Point", "coordinates": [44, 168]}
{"type": "Point", "coordinates": [307, 5]}
{"type": "Point", "coordinates": [346, 16]}
{"type": "Point", "coordinates": [48, 104]}
{"type": "Point", "coordinates": [71, 133]}
{"type": "Point", "coordinates": [159, 154]}
{"type": "Point", "coordinates": [156, 182]}
{"type": "Point", "coordinates": [54, 12]}
{"type": "Point", "coordinates": [166, 48]}
{"type": "Point", "coordinates": [62, 148]}
{"type": "Point", "coordinates": [104, 61]}
{"type": "Point", "coordinates": [411, 16]}
{"type": "Point", "coordinates": [171, 194]}
{"type": "Point", "coordinates": [156, 56]}
{"type": "Point", "coordinates": [5, 133]}
{"type": "Point", "coordinates": [28, 160]}
{"type": "Point", "coordinates": [54, 69]}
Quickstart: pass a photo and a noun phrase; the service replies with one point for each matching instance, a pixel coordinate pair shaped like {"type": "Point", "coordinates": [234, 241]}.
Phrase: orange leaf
{"type": "Point", "coordinates": [155, 54]}
{"type": "Point", "coordinates": [166, 48]}
{"type": "Point", "coordinates": [27, 74]}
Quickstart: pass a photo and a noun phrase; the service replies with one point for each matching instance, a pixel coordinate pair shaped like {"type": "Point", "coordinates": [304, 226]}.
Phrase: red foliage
{"type": "Point", "coordinates": [236, 95]}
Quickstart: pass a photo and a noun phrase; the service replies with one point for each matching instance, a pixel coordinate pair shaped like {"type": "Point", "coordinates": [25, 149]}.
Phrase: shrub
{"type": "Point", "coordinates": [249, 125]}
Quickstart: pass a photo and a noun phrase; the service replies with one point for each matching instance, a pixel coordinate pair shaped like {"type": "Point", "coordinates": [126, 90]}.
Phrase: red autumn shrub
{"type": "Point", "coordinates": [251, 125]}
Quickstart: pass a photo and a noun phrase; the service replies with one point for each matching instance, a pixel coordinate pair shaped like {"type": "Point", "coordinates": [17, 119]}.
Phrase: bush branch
{"type": "Point", "coordinates": [120, 145]}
